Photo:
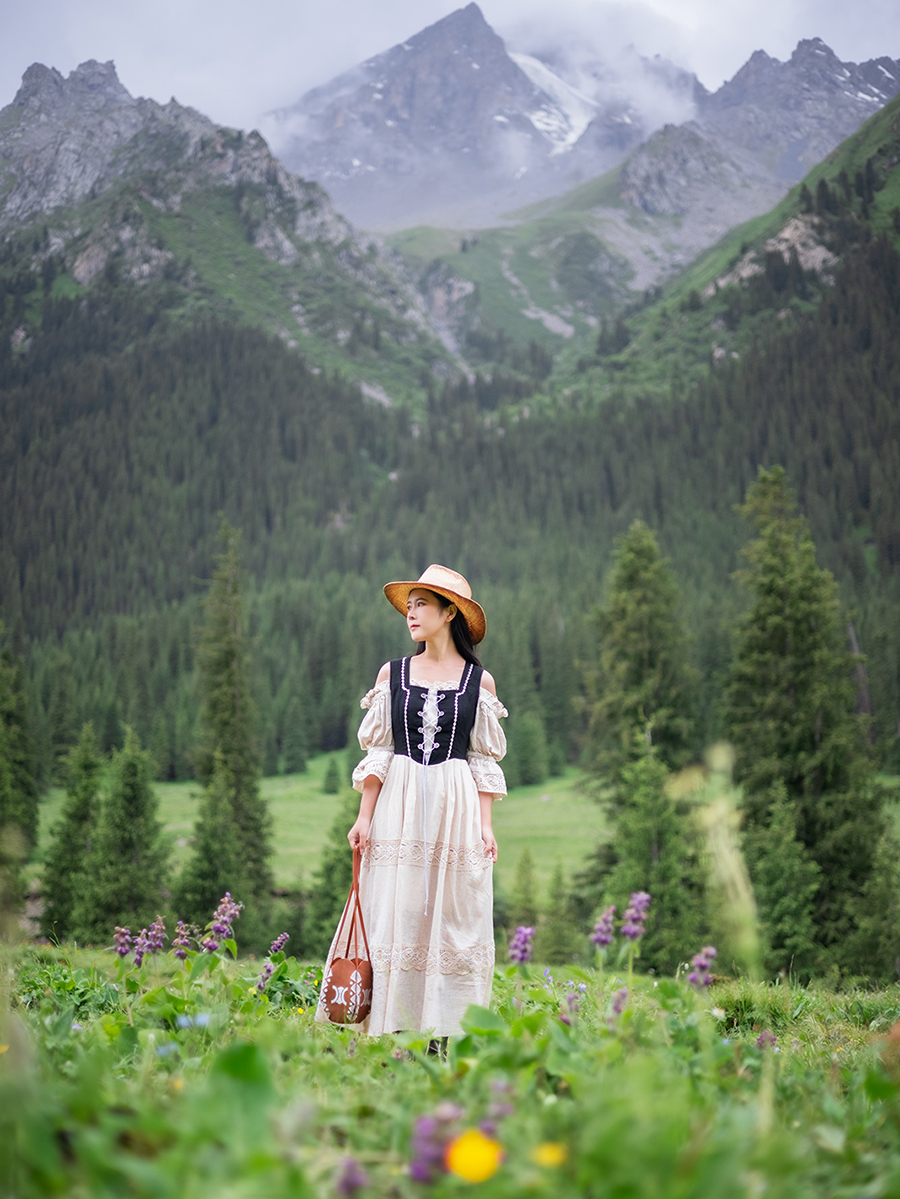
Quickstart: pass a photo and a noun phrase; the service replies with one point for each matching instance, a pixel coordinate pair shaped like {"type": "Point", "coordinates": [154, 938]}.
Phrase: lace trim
{"type": "Point", "coordinates": [484, 696]}
{"type": "Point", "coordinates": [377, 761]}
{"type": "Point", "coordinates": [491, 703]}
{"type": "Point", "coordinates": [373, 693]}
{"type": "Point", "coordinates": [487, 774]}
{"type": "Point", "coordinates": [436, 853]}
{"type": "Point", "coordinates": [479, 959]}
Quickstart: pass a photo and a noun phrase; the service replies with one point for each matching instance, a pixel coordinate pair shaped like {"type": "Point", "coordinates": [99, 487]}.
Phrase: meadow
{"type": "Point", "coordinates": [210, 1076]}
{"type": "Point", "coordinates": [558, 816]}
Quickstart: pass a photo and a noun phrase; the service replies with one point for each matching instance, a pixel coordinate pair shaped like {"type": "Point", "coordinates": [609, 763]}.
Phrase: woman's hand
{"type": "Point", "coordinates": [490, 844]}
{"type": "Point", "coordinates": [486, 803]}
{"type": "Point", "coordinates": [359, 834]}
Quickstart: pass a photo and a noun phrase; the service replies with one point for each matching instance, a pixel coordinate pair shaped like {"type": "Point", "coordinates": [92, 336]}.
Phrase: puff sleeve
{"type": "Point", "coordinates": [487, 745]}
{"type": "Point", "coordinates": [375, 735]}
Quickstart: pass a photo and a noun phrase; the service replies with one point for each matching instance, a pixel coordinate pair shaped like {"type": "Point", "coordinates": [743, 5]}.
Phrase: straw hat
{"type": "Point", "coordinates": [448, 583]}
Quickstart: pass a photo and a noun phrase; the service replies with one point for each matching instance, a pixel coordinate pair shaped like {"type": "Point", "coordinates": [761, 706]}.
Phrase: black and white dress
{"type": "Point", "coordinates": [426, 886]}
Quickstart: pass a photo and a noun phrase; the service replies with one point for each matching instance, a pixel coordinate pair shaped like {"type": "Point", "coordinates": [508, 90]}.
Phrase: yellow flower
{"type": "Point", "coordinates": [177, 1084]}
{"type": "Point", "coordinates": [549, 1153]}
{"type": "Point", "coordinates": [473, 1156]}
{"type": "Point", "coordinates": [3, 1048]}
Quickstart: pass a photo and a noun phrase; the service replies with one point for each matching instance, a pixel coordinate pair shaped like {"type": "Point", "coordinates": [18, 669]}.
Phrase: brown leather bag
{"type": "Point", "coordinates": [348, 981]}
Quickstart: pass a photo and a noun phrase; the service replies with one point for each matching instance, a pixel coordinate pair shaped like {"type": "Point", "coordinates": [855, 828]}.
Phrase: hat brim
{"type": "Point", "coordinates": [398, 594]}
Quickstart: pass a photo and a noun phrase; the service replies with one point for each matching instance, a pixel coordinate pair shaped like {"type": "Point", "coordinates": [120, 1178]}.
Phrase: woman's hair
{"type": "Point", "coordinates": [459, 627]}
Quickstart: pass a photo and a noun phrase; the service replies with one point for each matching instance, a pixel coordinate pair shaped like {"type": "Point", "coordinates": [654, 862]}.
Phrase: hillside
{"type": "Point", "coordinates": [125, 436]}
{"type": "Point", "coordinates": [553, 269]}
{"type": "Point", "coordinates": [156, 207]}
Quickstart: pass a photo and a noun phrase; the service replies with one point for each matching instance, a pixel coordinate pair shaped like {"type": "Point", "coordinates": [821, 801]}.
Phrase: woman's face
{"type": "Point", "coordinates": [424, 615]}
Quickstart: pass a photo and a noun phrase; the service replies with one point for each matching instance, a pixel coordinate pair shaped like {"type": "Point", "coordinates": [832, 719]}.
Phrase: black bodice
{"type": "Point", "coordinates": [455, 720]}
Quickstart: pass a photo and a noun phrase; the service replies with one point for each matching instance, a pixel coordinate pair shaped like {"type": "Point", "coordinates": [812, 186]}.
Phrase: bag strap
{"type": "Point", "coordinates": [357, 912]}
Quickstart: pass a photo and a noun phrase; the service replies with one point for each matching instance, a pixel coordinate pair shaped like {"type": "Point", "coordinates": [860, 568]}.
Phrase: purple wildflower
{"type": "Point", "coordinates": [430, 1137]}
{"type": "Point", "coordinates": [224, 917]}
{"type": "Point", "coordinates": [766, 1039]}
{"type": "Point", "coordinates": [352, 1178]}
{"type": "Point", "coordinates": [141, 946]}
{"type": "Point", "coordinates": [618, 1006]}
{"type": "Point", "coordinates": [603, 929]}
{"type": "Point", "coordinates": [264, 975]}
{"type": "Point", "coordinates": [700, 976]}
{"type": "Point", "coordinates": [279, 943]}
{"type": "Point", "coordinates": [635, 916]}
{"type": "Point", "coordinates": [181, 941]}
{"type": "Point", "coordinates": [520, 945]}
{"type": "Point", "coordinates": [570, 1009]}
{"type": "Point", "coordinates": [156, 938]}
{"type": "Point", "coordinates": [122, 941]}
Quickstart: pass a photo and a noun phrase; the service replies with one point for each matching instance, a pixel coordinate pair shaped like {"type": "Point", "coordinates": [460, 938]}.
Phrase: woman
{"type": "Point", "coordinates": [432, 739]}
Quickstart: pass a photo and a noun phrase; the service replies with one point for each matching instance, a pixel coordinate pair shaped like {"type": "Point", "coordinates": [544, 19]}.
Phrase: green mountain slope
{"type": "Point", "coordinates": [193, 219]}
{"type": "Point", "coordinates": [126, 428]}
{"type": "Point", "coordinates": [568, 263]}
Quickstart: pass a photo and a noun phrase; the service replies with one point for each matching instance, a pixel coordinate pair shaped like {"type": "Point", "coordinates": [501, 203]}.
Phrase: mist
{"type": "Point", "coordinates": [235, 61]}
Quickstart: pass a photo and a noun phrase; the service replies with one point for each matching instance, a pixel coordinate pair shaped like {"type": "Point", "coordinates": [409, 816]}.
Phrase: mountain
{"type": "Point", "coordinates": [790, 115]}
{"type": "Point", "coordinates": [554, 269]}
{"type": "Point", "coordinates": [126, 429]}
{"type": "Point", "coordinates": [450, 126]}
{"type": "Point", "coordinates": [453, 128]}
{"type": "Point", "coordinates": [96, 185]}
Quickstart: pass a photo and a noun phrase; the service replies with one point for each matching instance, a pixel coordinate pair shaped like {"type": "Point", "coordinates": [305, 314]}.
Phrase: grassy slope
{"type": "Point", "coordinates": [668, 342]}
{"type": "Point", "coordinates": [230, 276]}
{"type": "Point", "coordinates": [555, 820]}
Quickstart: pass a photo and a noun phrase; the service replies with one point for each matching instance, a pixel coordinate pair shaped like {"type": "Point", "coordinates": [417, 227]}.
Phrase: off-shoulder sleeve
{"type": "Point", "coordinates": [375, 735]}
{"type": "Point", "coordinates": [487, 745]}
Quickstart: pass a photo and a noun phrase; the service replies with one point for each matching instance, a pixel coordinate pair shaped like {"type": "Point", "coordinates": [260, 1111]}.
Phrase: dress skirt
{"type": "Point", "coordinates": [426, 892]}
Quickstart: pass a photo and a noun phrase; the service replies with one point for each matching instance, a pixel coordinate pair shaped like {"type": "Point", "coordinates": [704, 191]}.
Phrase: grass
{"type": "Point", "coordinates": [164, 1081]}
{"type": "Point", "coordinates": [555, 820]}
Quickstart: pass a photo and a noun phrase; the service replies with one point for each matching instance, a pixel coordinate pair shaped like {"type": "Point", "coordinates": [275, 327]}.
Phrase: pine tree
{"type": "Point", "coordinates": [654, 848]}
{"type": "Point", "coordinates": [126, 868]}
{"type": "Point", "coordinates": [785, 882]}
{"type": "Point", "coordinates": [556, 938]}
{"type": "Point", "coordinates": [791, 698]}
{"type": "Point", "coordinates": [530, 746]}
{"type": "Point", "coordinates": [295, 746]}
{"type": "Point", "coordinates": [235, 813]}
{"type": "Point", "coordinates": [62, 719]}
{"type": "Point", "coordinates": [217, 864]}
{"type": "Point", "coordinates": [332, 781]}
{"type": "Point", "coordinates": [18, 786]}
{"type": "Point", "coordinates": [64, 876]}
{"type": "Point", "coordinates": [331, 882]}
{"type": "Point", "coordinates": [523, 906]}
{"type": "Point", "coordinates": [643, 676]}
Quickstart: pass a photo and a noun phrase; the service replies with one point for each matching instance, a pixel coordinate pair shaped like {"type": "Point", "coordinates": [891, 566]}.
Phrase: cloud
{"type": "Point", "coordinates": [236, 59]}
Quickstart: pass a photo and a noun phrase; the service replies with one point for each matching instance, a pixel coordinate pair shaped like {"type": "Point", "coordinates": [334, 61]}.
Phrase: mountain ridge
{"type": "Point", "coordinates": [516, 127]}
{"type": "Point", "coordinates": [162, 197]}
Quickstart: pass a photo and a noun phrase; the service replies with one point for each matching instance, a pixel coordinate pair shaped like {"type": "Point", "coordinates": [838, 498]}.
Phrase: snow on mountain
{"type": "Point", "coordinates": [570, 111]}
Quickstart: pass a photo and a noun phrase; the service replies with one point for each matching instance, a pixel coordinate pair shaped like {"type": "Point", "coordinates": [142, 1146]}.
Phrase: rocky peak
{"type": "Point", "coordinates": [91, 86]}
{"type": "Point", "coordinates": [789, 115]}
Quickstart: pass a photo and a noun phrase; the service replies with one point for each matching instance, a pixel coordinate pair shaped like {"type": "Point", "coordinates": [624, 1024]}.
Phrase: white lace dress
{"type": "Point", "coordinates": [426, 886]}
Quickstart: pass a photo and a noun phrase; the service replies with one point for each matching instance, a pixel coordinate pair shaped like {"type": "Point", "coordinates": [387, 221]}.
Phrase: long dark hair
{"type": "Point", "coordinates": [459, 627]}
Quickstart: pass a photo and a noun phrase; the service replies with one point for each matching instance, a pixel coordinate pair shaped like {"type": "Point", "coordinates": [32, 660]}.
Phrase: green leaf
{"type": "Point", "coordinates": [482, 1021]}
{"type": "Point", "coordinates": [879, 1087]}
{"type": "Point", "coordinates": [231, 946]}
{"type": "Point", "coordinates": [244, 1062]}
{"type": "Point", "coordinates": [201, 962]}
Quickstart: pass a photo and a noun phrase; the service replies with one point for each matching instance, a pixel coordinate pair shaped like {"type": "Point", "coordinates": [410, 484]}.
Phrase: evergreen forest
{"type": "Point", "coordinates": [136, 438]}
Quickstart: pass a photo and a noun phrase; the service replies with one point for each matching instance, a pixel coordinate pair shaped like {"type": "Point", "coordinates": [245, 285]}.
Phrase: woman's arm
{"type": "Point", "coordinates": [359, 834]}
{"type": "Point", "coordinates": [486, 801]}
{"type": "Point", "coordinates": [371, 789]}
